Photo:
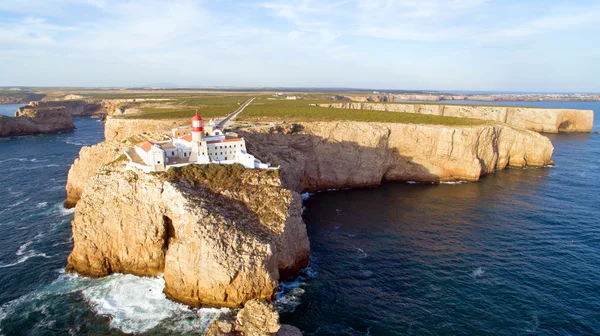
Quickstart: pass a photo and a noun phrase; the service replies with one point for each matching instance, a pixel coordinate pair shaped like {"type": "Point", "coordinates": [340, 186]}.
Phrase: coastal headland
{"type": "Point", "coordinates": [224, 235]}
{"type": "Point", "coordinates": [33, 121]}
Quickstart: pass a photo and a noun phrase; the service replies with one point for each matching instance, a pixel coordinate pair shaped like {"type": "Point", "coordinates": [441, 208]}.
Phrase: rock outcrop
{"type": "Point", "coordinates": [76, 108]}
{"type": "Point", "coordinates": [535, 119]}
{"type": "Point", "coordinates": [257, 318]}
{"type": "Point", "coordinates": [333, 155]}
{"type": "Point", "coordinates": [221, 235]}
{"type": "Point", "coordinates": [31, 121]}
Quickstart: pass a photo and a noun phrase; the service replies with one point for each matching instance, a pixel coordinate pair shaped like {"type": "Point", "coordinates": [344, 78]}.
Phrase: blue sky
{"type": "Point", "coordinates": [403, 44]}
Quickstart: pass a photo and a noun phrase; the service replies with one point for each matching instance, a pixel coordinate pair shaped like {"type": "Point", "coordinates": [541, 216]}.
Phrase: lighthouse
{"type": "Point", "coordinates": [197, 126]}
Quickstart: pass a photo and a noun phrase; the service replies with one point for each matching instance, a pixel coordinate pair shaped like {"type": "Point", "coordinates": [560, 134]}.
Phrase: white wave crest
{"type": "Point", "coordinates": [42, 205]}
{"type": "Point", "coordinates": [454, 182]}
{"type": "Point", "coordinates": [478, 272]}
{"type": "Point", "coordinates": [305, 196]}
{"type": "Point", "coordinates": [138, 304]}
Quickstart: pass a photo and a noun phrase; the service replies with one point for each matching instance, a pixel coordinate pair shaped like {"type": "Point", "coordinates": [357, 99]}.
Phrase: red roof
{"type": "Point", "coordinates": [146, 145]}
{"type": "Point", "coordinates": [186, 137]}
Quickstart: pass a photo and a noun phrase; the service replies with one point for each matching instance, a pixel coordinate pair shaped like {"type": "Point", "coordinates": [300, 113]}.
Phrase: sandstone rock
{"type": "Point", "coordinates": [257, 318]}
{"type": "Point", "coordinates": [30, 121]}
{"type": "Point", "coordinates": [535, 119]}
{"type": "Point", "coordinates": [87, 165]}
{"type": "Point", "coordinates": [218, 244]}
{"type": "Point", "coordinates": [353, 154]}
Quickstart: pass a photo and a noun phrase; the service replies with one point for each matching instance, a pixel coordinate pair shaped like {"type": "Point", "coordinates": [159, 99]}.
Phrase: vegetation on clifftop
{"type": "Point", "coordinates": [214, 176]}
{"type": "Point", "coordinates": [303, 110]}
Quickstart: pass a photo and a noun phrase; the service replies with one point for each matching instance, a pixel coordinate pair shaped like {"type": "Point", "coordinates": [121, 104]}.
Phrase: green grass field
{"type": "Point", "coordinates": [265, 108]}
{"type": "Point", "coordinates": [300, 110]}
{"type": "Point", "coordinates": [208, 106]}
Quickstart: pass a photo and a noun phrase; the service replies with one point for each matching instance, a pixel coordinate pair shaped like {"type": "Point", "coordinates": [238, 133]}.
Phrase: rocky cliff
{"type": "Point", "coordinates": [90, 159]}
{"type": "Point", "coordinates": [31, 121]}
{"type": "Point", "coordinates": [353, 154]}
{"type": "Point", "coordinates": [332, 155]}
{"type": "Point", "coordinates": [222, 235]}
{"type": "Point", "coordinates": [535, 119]}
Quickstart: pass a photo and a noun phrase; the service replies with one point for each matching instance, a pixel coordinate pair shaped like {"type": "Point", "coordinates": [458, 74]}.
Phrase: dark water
{"type": "Point", "coordinates": [517, 253]}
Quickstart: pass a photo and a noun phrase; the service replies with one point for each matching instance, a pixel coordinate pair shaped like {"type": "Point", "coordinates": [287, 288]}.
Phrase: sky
{"type": "Point", "coordinates": [487, 45]}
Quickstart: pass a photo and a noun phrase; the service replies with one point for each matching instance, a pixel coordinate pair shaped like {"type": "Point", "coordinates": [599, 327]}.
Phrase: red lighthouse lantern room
{"type": "Point", "coordinates": [197, 123]}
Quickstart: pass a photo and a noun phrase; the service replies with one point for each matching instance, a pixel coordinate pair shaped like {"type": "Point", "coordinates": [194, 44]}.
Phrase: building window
{"type": "Point", "coordinates": [184, 154]}
{"type": "Point", "coordinates": [172, 153]}
{"type": "Point", "coordinates": [226, 158]}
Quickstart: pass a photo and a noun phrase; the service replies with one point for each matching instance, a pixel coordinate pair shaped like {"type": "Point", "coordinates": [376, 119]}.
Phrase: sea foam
{"type": "Point", "coordinates": [138, 304]}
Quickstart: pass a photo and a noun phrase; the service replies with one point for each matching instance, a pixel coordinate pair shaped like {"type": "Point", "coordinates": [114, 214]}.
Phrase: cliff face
{"type": "Point", "coordinates": [221, 235]}
{"type": "Point", "coordinates": [87, 165]}
{"type": "Point", "coordinates": [32, 121]}
{"type": "Point", "coordinates": [352, 154]}
{"type": "Point", "coordinates": [121, 128]}
{"type": "Point", "coordinates": [535, 119]}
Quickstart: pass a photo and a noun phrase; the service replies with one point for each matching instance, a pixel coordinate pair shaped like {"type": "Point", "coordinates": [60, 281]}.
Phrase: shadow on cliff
{"type": "Point", "coordinates": [237, 215]}
{"type": "Point", "coordinates": [311, 163]}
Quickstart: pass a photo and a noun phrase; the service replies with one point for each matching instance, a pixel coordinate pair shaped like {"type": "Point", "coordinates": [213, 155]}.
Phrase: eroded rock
{"type": "Point", "coordinates": [222, 235]}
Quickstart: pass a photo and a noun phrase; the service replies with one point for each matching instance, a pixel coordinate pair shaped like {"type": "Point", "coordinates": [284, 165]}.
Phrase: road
{"type": "Point", "coordinates": [223, 123]}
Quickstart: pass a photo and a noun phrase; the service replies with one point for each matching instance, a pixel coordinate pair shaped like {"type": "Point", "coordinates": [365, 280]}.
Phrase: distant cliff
{"type": "Point", "coordinates": [76, 108]}
{"type": "Point", "coordinates": [31, 121]}
{"type": "Point", "coordinates": [221, 235]}
{"type": "Point", "coordinates": [19, 97]}
{"type": "Point", "coordinates": [326, 155]}
{"type": "Point", "coordinates": [535, 119]}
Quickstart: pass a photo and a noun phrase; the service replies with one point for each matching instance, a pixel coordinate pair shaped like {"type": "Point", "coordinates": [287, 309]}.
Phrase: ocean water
{"type": "Point", "coordinates": [517, 253]}
{"type": "Point", "coordinates": [9, 109]}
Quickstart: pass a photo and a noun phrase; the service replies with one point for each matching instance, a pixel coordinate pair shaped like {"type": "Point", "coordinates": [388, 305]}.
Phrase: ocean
{"type": "Point", "coordinates": [517, 253]}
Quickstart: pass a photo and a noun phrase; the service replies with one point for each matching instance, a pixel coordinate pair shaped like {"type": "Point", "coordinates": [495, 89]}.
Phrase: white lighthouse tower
{"type": "Point", "coordinates": [199, 152]}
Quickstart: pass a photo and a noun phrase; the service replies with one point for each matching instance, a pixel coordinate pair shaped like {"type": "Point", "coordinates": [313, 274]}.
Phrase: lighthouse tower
{"type": "Point", "coordinates": [197, 126]}
{"type": "Point", "coordinates": [199, 153]}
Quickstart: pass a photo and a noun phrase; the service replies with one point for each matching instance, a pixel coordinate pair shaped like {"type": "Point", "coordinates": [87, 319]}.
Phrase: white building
{"type": "Point", "coordinates": [201, 146]}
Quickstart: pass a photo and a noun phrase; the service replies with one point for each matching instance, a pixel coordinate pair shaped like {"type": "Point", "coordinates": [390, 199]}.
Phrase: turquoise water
{"type": "Point", "coordinates": [515, 254]}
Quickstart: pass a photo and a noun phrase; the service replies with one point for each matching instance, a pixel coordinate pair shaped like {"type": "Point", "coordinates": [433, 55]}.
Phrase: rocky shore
{"type": "Point", "coordinates": [32, 121]}
{"type": "Point", "coordinates": [535, 119]}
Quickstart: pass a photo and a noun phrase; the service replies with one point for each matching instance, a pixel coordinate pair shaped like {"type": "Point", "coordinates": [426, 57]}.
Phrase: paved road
{"type": "Point", "coordinates": [223, 123]}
